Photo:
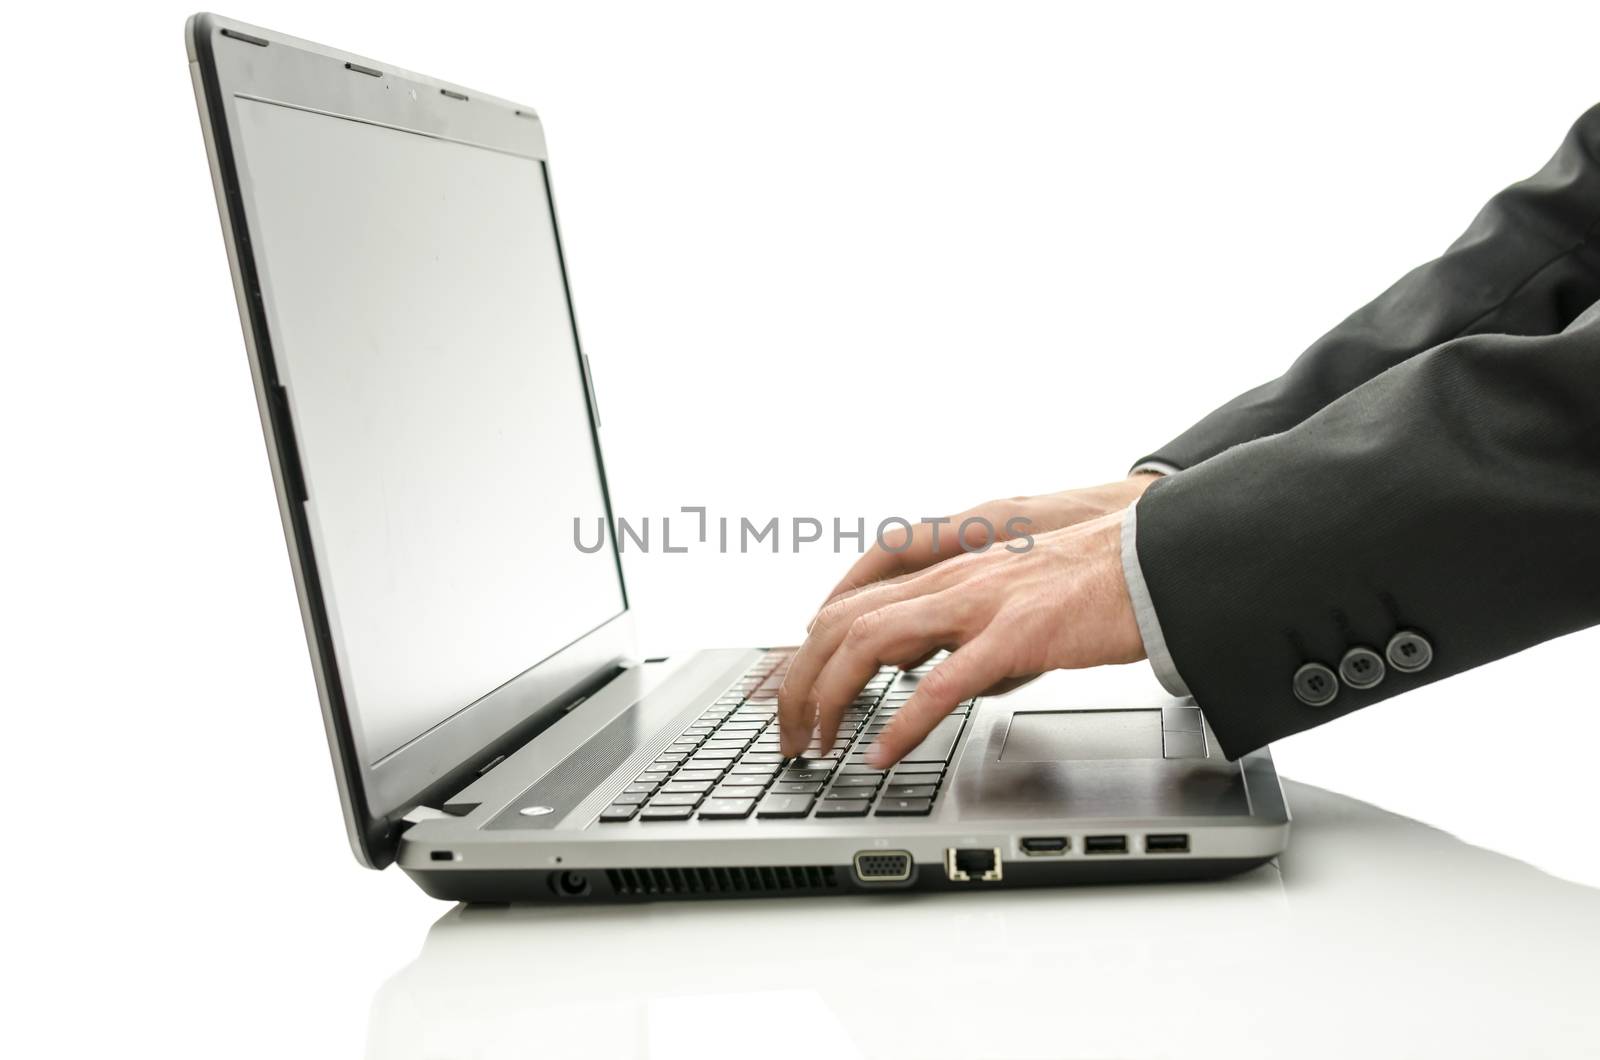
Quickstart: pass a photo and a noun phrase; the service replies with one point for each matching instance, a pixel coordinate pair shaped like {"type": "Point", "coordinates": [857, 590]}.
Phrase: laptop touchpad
{"type": "Point", "coordinates": [1079, 735]}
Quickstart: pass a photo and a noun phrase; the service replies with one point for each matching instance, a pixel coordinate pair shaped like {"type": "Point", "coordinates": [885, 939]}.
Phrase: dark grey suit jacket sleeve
{"type": "Point", "coordinates": [1432, 464]}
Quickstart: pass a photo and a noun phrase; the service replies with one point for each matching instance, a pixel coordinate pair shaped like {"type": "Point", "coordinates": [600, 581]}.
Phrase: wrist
{"type": "Point", "coordinates": [1124, 492]}
{"type": "Point", "coordinates": [1125, 641]}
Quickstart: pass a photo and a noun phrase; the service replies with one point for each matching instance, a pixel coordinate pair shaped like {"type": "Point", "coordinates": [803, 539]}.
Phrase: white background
{"type": "Point", "coordinates": [829, 259]}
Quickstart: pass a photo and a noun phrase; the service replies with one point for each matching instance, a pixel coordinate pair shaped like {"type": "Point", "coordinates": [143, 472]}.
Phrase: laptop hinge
{"type": "Point", "coordinates": [418, 814]}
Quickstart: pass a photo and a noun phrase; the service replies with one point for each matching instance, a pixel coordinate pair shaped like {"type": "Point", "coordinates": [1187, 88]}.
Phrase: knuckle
{"type": "Point", "coordinates": [866, 626]}
{"type": "Point", "coordinates": [834, 613]}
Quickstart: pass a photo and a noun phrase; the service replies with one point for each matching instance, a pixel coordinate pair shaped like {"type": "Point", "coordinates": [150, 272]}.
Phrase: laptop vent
{"type": "Point", "coordinates": [767, 879]}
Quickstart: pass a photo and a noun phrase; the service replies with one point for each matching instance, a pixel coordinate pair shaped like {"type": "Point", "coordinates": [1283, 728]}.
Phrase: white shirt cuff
{"type": "Point", "coordinates": [1144, 610]}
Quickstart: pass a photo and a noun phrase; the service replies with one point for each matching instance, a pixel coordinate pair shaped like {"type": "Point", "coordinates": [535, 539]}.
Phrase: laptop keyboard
{"type": "Point", "coordinates": [726, 765]}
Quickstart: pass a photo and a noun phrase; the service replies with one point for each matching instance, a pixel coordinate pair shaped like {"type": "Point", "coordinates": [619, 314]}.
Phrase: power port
{"type": "Point", "coordinates": [972, 863]}
{"type": "Point", "coordinates": [1173, 843]}
{"type": "Point", "coordinates": [570, 884]}
{"type": "Point", "coordinates": [1044, 846]}
{"type": "Point", "coordinates": [1105, 844]}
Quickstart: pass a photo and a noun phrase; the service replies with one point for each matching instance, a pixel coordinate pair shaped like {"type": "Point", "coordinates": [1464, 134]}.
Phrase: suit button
{"type": "Point", "coordinates": [1361, 668]}
{"type": "Point", "coordinates": [1409, 651]}
{"type": "Point", "coordinates": [1315, 685]}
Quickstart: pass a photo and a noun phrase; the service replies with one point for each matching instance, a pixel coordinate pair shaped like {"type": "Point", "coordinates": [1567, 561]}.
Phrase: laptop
{"type": "Point", "coordinates": [433, 431]}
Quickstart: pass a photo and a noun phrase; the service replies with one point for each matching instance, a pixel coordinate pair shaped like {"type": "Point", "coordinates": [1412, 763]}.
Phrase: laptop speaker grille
{"type": "Point", "coordinates": [765, 879]}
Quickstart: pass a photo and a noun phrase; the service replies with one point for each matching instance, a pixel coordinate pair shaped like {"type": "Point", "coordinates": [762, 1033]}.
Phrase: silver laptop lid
{"type": "Point", "coordinates": [426, 402]}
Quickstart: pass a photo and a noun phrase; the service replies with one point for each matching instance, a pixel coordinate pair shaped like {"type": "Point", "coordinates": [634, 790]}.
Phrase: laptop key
{"type": "Point", "coordinates": [726, 809]}
{"type": "Point", "coordinates": [789, 787]}
{"type": "Point", "coordinates": [737, 791]}
{"type": "Point", "coordinates": [843, 808]}
{"type": "Point", "coordinates": [698, 774]}
{"type": "Point", "coordinates": [666, 813]}
{"type": "Point", "coordinates": [906, 769]}
{"type": "Point", "coordinates": [676, 798]}
{"type": "Point", "coordinates": [715, 754]}
{"type": "Point", "coordinates": [699, 787]}
{"type": "Point", "coordinates": [938, 744]}
{"type": "Point", "coordinates": [909, 791]}
{"type": "Point", "coordinates": [814, 773]}
{"type": "Point", "coordinates": [618, 812]}
{"type": "Point", "coordinates": [762, 758]}
{"type": "Point", "coordinates": [858, 780]}
{"type": "Point", "coordinates": [630, 798]}
{"type": "Point", "coordinates": [904, 807]}
{"type": "Point", "coordinates": [784, 806]}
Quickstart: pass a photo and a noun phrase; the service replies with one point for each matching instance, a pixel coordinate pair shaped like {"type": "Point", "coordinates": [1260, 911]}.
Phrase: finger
{"type": "Point", "coordinates": [1010, 684]}
{"type": "Point", "coordinates": [888, 636]}
{"type": "Point", "coordinates": [966, 673]}
{"type": "Point", "coordinates": [905, 552]}
{"type": "Point", "coordinates": [850, 594]}
{"type": "Point", "coordinates": [796, 703]}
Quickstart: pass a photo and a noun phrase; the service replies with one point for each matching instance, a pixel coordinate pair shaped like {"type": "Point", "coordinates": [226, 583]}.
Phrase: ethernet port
{"type": "Point", "coordinates": [964, 864]}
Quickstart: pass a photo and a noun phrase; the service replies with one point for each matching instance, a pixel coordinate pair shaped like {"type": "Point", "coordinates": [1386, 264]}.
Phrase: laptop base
{"type": "Point", "coordinates": [774, 881]}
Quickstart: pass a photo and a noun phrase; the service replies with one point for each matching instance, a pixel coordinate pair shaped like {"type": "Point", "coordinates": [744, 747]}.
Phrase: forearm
{"type": "Point", "coordinates": [1527, 265]}
{"type": "Point", "coordinates": [1457, 495]}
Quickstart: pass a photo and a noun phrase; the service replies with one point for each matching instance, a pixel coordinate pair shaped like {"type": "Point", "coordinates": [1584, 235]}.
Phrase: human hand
{"type": "Point", "coordinates": [927, 543]}
{"type": "Point", "coordinates": [1006, 616]}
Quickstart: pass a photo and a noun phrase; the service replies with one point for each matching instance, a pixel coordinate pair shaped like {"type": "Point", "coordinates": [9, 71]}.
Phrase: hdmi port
{"type": "Point", "coordinates": [1043, 846]}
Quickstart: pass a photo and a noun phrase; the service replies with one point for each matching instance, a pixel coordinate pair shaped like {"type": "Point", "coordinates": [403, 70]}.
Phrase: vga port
{"type": "Point", "coordinates": [883, 866]}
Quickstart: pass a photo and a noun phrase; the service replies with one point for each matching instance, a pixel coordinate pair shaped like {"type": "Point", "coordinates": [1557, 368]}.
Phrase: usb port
{"type": "Point", "coordinates": [1105, 844]}
{"type": "Point", "coordinates": [1173, 843]}
{"type": "Point", "coordinates": [1043, 846]}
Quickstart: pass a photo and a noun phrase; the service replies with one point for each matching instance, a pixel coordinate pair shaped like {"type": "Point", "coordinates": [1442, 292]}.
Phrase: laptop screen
{"type": "Point", "coordinates": [418, 309]}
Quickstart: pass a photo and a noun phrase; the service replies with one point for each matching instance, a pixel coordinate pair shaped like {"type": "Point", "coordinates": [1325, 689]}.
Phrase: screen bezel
{"type": "Point", "coordinates": [228, 60]}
